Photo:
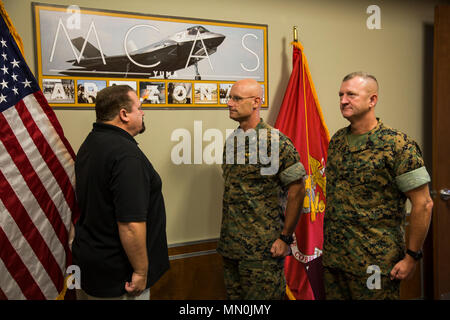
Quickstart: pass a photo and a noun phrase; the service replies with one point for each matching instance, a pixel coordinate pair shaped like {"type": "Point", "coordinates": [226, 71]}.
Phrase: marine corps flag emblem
{"type": "Point", "coordinates": [300, 118]}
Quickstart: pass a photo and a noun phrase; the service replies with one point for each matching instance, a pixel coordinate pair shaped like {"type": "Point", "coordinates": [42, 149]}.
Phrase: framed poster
{"type": "Point", "coordinates": [171, 62]}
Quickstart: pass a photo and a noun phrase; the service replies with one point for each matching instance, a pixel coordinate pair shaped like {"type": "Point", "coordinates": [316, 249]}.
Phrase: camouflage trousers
{"type": "Point", "coordinates": [254, 279]}
{"type": "Point", "coordinates": [340, 285]}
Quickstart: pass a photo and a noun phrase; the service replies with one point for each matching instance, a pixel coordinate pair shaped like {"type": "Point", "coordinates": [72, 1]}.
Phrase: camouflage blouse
{"type": "Point", "coordinates": [254, 195]}
{"type": "Point", "coordinates": [365, 213]}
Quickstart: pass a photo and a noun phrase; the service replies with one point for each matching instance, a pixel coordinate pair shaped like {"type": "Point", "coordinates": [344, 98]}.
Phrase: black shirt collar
{"type": "Point", "coordinates": [104, 127]}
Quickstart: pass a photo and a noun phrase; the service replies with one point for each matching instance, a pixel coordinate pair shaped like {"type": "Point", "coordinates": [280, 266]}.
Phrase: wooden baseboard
{"type": "Point", "coordinates": [196, 273]}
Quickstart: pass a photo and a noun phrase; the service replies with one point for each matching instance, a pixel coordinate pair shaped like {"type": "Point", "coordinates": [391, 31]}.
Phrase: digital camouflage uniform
{"type": "Point", "coordinates": [365, 214]}
{"type": "Point", "coordinates": [253, 214]}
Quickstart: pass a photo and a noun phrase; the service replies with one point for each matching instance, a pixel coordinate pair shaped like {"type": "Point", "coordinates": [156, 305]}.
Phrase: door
{"type": "Point", "coordinates": [441, 154]}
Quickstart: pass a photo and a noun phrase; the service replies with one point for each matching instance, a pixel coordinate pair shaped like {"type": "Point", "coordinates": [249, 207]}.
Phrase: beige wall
{"type": "Point", "coordinates": [336, 42]}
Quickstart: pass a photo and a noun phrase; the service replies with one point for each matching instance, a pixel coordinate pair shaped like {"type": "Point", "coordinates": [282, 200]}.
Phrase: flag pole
{"type": "Point", "coordinates": [295, 34]}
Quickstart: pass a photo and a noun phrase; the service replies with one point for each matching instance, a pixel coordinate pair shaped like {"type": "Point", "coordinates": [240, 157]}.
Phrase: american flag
{"type": "Point", "coordinates": [37, 198]}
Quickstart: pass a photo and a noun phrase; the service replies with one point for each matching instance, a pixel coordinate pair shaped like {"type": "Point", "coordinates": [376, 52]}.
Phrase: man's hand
{"type": "Point", "coordinates": [404, 269]}
{"type": "Point", "coordinates": [279, 249]}
{"type": "Point", "coordinates": [296, 195]}
{"type": "Point", "coordinates": [137, 284]}
{"type": "Point", "coordinates": [421, 206]}
{"type": "Point", "coordinates": [133, 238]}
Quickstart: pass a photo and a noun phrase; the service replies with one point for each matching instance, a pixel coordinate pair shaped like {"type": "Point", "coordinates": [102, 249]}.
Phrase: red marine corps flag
{"type": "Point", "coordinates": [300, 118]}
{"type": "Point", "coordinates": [37, 198]}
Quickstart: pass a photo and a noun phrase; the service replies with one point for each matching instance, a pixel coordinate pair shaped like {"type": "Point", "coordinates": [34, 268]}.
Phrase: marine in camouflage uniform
{"type": "Point", "coordinates": [253, 215]}
{"type": "Point", "coordinates": [367, 178]}
{"type": "Point", "coordinates": [258, 173]}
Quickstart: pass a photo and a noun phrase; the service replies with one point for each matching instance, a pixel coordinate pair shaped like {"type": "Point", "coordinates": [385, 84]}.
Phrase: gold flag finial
{"type": "Point", "coordinates": [295, 34]}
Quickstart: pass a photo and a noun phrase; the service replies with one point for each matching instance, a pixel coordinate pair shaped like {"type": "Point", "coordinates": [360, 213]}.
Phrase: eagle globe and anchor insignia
{"type": "Point", "coordinates": [314, 204]}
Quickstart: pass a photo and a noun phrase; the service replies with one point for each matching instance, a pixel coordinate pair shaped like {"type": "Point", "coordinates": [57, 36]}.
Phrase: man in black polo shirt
{"type": "Point", "coordinates": [120, 240]}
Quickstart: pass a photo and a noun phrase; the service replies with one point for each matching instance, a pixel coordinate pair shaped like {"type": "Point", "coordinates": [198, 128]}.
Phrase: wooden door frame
{"type": "Point", "coordinates": [441, 98]}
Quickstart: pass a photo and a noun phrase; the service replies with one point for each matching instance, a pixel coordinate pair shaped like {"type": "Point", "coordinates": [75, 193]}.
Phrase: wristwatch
{"type": "Point", "coordinates": [287, 239]}
{"type": "Point", "coordinates": [417, 255]}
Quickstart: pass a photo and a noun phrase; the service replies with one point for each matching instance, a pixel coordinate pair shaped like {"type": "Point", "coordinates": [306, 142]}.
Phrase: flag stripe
{"type": "Point", "coordinates": [45, 118]}
{"type": "Point", "coordinates": [8, 284]}
{"type": "Point", "coordinates": [30, 177]}
{"type": "Point", "coordinates": [36, 224]}
{"type": "Point", "coordinates": [51, 116]}
{"type": "Point", "coordinates": [2, 294]}
{"type": "Point", "coordinates": [26, 253]}
{"type": "Point", "coordinates": [50, 133]}
{"type": "Point", "coordinates": [46, 122]}
{"type": "Point", "coordinates": [32, 232]}
{"type": "Point", "coordinates": [54, 174]}
{"type": "Point", "coordinates": [29, 139]}
{"type": "Point", "coordinates": [15, 265]}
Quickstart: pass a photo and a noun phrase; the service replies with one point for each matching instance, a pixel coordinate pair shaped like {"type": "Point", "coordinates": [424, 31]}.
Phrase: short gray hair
{"type": "Point", "coordinates": [361, 74]}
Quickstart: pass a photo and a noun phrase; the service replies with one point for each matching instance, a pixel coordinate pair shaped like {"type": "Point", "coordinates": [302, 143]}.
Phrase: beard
{"type": "Point", "coordinates": [143, 127]}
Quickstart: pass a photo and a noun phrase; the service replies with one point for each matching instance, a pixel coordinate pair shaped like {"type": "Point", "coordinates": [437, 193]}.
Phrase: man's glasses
{"type": "Point", "coordinates": [238, 99]}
